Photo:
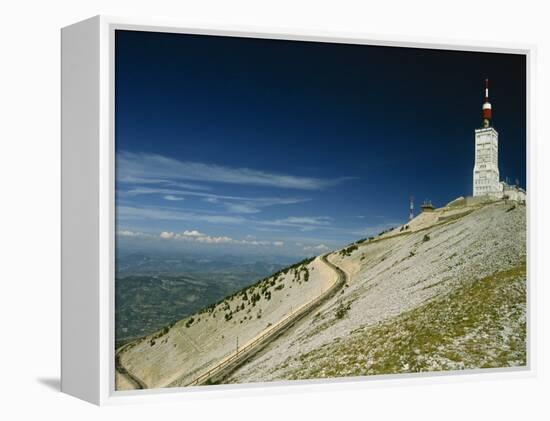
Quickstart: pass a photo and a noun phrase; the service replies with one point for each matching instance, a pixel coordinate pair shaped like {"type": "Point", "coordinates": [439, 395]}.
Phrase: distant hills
{"type": "Point", "coordinates": [152, 291]}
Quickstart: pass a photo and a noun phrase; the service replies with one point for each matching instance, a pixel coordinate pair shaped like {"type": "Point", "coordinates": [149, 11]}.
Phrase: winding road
{"type": "Point", "coordinates": [234, 360]}
{"type": "Point", "coordinates": [237, 358]}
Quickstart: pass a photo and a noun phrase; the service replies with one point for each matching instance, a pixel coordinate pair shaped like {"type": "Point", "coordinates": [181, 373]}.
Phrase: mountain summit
{"type": "Point", "coordinates": [446, 291]}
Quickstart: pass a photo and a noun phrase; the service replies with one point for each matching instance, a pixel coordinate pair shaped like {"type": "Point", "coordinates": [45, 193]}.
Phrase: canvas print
{"type": "Point", "coordinates": [291, 210]}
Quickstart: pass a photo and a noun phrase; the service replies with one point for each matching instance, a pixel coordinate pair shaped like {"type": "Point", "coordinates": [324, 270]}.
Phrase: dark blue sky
{"type": "Point", "coordinates": [248, 143]}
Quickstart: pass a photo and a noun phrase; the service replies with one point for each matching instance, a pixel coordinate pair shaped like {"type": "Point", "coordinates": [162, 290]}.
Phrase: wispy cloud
{"type": "Point", "coordinates": [134, 234]}
{"type": "Point", "coordinates": [142, 166]}
{"type": "Point", "coordinates": [194, 235]}
{"type": "Point", "coordinates": [173, 198]}
{"type": "Point", "coordinates": [215, 198]}
{"type": "Point", "coordinates": [304, 223]}
{"type": "Point", "coordinates": [241, 207]}
{"type": "Point", "coordinates": [308, 220]}
{"type": "Point", "coordinates": [166, 214]}
{"type": "Point", "coordinates": [319, 247]}
{"type": "Point", "coordinates": [199, 237]}
{"type": "Point", "coordinates": [234, 204]}
{"type": "Point", "coordinates": [123, 177]}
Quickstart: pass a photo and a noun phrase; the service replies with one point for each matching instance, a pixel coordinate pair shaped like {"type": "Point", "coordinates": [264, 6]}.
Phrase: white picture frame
{"type": "Point", "coordinates": [88, 211]}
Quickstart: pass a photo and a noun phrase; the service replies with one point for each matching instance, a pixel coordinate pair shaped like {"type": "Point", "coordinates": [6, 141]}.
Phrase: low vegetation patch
{"type": "Point", "coordinates": [480, 324]}
{"type": "Point", "coordinates": [385, 231]}
{"type": "Point", "coordinates": [342, 310]}
{"type": "Point", "coordinates": [348, 250]}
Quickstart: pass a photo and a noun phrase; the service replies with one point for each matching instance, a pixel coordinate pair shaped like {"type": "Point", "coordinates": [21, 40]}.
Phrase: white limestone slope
{"type": "Point", "coordinates": [394, 274]}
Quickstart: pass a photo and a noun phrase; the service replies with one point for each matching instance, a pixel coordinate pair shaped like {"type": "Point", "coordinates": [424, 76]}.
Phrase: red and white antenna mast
{"type": "Point", "coordinates": [486, 108]}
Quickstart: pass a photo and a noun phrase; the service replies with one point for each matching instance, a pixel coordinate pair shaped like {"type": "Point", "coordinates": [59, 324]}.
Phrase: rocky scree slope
{"type": "Point", "coordinates": [447, 292]}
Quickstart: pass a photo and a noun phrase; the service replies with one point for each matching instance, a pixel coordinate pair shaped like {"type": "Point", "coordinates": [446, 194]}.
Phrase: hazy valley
{"type": "Point", "coordinates": [155, 290]}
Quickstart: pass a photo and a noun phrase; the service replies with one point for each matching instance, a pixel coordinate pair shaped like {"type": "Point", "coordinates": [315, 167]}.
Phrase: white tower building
{"type": "Point", "coordinates": [486, 174]}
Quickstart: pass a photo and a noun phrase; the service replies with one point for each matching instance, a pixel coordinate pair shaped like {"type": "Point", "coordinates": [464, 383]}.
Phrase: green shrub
{"type": "Point", "coordinates": [348, 250]}
{"type": "Point", "coordinates": [255, 297]}
{"type": "Point", "coordinates": [342, 310]}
